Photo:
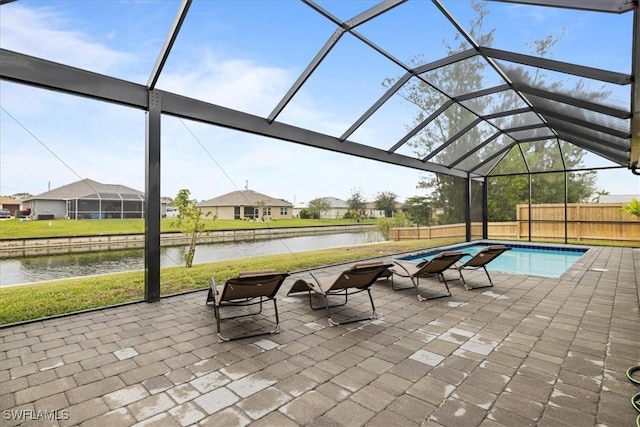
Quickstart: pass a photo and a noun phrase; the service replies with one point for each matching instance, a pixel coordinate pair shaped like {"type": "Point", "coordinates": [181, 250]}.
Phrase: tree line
{"type": "Point", "coordinates": [508, 182]}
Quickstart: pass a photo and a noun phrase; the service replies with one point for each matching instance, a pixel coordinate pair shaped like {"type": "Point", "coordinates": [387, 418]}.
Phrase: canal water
{"type": "Point", "coordinates": [36, 269]}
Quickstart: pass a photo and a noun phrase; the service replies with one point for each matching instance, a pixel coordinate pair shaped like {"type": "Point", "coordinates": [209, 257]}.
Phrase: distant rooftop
{"type": "Point", "coordinates": [90, 189]}
{"type": "Point", "coordinates": [244, 198]}
{"type": "Point", "coordinates": [618, 198]}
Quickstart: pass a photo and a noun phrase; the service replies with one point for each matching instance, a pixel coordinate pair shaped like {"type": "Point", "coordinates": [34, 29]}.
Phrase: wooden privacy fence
{"type": "Point", "coordinates": [585, 221]}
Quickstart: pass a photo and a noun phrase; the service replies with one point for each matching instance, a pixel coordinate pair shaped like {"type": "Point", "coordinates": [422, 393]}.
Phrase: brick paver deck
{"type": "Point", "coordinates": [530, 351]}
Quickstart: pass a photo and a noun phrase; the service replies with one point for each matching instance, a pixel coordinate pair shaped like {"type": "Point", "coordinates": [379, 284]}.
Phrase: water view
{"type": "Point", "coordinates": [36, 269]}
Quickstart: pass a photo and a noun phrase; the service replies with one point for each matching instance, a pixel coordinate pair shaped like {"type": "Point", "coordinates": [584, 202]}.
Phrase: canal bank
{"type": "Point", "coordinates": [18, 248]}
{"type": "Point", "coordinates": [72, 265]}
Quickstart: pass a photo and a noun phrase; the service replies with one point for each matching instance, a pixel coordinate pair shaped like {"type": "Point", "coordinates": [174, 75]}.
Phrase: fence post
{"type": "Point", "coordinates": [579, 230]}
{"type": "Point", "coordinates": [578, 220]}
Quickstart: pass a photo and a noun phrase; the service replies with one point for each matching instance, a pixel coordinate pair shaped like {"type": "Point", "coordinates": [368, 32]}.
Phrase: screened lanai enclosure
{"type": "Point", "coordinates": [485, 98]}
{"type": "Point", "coordinates": [87, 199]}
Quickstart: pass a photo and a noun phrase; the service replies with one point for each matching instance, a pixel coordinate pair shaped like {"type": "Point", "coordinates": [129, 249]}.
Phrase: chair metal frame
{"type": "Point", "coordinates": [443, 260]}
{"type": "Point", "coordinates": [364, 275]}
{"type": "Point", "coordinates": [236, 292]}
{"type": "Point", "coordinates": [492, 251]}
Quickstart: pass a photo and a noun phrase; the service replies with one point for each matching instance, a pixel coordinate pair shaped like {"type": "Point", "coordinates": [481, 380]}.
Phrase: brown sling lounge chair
{"type": "Point", "coordinates": [480, 260]}
{"type": "Point", "coordinates": [356, 279]}
{"type": "Point", "coordinates": [431, 268]}
{"type": "Point", "coordinates": [249, 288]}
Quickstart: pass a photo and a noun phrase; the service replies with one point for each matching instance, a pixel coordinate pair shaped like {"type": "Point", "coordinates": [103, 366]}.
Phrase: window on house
{"type": "Point", "coordinates": [267, 211]}
{"type": "Point", "coordinates": [283, 211]}
{"type": "Point", "coordinates": [250, 212]}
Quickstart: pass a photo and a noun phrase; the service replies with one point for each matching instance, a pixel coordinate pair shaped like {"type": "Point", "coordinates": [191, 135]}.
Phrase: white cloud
{"type": "Point", "coordinates": [41, 32]}
{"type": "Point", "coordinates": [234, 83]}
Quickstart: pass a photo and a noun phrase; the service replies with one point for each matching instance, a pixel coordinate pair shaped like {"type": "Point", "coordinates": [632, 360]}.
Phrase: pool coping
{"type": "Point", "coordinates": [577, 266]}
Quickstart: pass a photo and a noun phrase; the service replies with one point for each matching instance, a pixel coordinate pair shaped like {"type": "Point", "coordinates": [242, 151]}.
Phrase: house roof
{"type": "Point", "coordinates": [244, 198]}
{"type": "Point", "coordinates": [4, 200]}
{"type": "Point", "coordinates": [618, 198]}
{"type": "Point", "coordinates": [90, 189]}
{"type": "Point", "coordinates": [334, 202]}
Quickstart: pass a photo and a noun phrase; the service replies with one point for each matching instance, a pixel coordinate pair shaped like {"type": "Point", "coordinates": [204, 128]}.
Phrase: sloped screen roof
{"type": "Point", "coordinates": [437, 91]}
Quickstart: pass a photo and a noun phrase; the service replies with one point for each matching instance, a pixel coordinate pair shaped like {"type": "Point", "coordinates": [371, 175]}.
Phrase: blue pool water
{"type": "Point", "coordinates": [531, 260]}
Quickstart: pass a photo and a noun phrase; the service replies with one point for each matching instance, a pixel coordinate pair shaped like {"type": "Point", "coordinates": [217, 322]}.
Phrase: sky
{"type": "Point", "coordinates": [246, 55]}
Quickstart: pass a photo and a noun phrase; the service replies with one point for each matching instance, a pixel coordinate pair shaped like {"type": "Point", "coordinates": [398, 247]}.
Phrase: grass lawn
{"type": "Point", "coordinates": [28, 302]}
{"type": "Point", "coordinates": [16, 229]}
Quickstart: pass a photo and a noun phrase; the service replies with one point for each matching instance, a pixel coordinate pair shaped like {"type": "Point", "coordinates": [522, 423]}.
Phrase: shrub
{"type": "Point", "coordinates": [304, 214]}
{"type": "Point", "coordinates": [384, 225]}
{"type": "Point", "coordinates": [632, 208]}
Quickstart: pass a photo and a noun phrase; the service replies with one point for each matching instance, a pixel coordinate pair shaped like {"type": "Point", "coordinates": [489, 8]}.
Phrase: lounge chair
{"type": "Point", "coordinates": [249, 288]}
{"type": "Point", "coordinates": [427, 268]}
{"type": "Point", "coordinates": [355, 279]}
{"type": "Point", "coordinates": [480, 260]}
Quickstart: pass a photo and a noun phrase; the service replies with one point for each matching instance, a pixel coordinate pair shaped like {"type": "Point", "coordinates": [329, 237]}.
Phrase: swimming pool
{"type": "Point", "coordinates": [532, 260]}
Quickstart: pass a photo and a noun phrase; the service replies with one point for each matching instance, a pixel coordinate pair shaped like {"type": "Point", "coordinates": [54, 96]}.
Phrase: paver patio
{"type": "Point", "coordinates": [530, 351]}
